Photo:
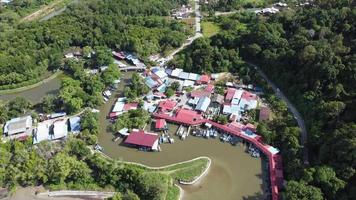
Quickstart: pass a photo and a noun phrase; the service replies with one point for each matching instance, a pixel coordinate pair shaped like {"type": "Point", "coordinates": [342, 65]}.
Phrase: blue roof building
{"type": "Point", "coordinates": [74, 124]}
{"type": "Point", "coordinates": [203, 104]}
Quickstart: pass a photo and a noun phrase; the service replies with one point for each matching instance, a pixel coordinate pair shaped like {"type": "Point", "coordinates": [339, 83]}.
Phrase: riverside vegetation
{"type": "Point", "coordinates": [310, 53]}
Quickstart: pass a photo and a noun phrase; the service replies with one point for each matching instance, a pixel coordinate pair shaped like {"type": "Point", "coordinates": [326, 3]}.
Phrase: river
{"type": "Point", "coordinates": [233, 175]}
{"type": "Point", "coordinates": [35, 95]}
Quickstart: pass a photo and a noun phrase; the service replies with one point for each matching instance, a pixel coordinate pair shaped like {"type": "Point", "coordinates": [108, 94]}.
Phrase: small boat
{"type": "Point", "coordinates": [171, 140]}
{"type": "Point", "coordinates": [97, 147]}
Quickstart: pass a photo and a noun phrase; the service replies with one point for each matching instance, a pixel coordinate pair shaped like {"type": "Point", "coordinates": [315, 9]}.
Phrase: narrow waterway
{"type": "Point", "coordinates": [35, 95]}
{"type": "Point", "coordinates": [234, 174]}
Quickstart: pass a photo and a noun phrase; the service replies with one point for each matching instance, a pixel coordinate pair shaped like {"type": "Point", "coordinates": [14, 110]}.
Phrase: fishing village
{"type": "Point", "coordinates": [210, 106]}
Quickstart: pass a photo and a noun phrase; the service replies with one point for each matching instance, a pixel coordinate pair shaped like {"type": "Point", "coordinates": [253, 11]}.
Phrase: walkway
{"type": "Point", "coordinates": [275, 160]}
{"type": "Point", "coordinates": [132, 68]}
{"type": "Point", "coordinates": [78, 193]}
{"type": "Point", "coordinates": [293, 109]}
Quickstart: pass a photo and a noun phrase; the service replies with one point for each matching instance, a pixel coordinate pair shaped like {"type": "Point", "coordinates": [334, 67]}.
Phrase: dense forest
{"type": "Point", "coordinates": [140, 26]}
{"type": "Point", "coordinates": [310, 53]}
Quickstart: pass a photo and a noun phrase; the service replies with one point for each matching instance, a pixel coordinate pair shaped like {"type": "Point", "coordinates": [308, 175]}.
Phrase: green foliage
{"type": "Point", "coordinates": [137, 87]}
{"type": "Point", "coordinates": [140, 26]}
{"type": "Point", "coordinates": [72, 95]}
{"type": "Point", "coordinates": [221, 119]}
{"type": "Point", "coordinates": [169, 92]}
{"type": "Point", "coordinates": [111, 74]}
{"type": "Point", "coordinates": [89, 121]}
{"type": "Point", "coordinates": [300, 191]}
{"type": "Point", "coordinates": [17, 107]}
{"type": "Point", "coordinates": [132, 119]}
{"type": "Point", "coordinates": [175, 85]}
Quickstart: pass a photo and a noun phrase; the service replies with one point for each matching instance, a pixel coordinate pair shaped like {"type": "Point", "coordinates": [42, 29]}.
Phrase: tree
{"type": "Point", "coordinates": [111, 74]}
{"type": "Point", "coordinates": [300, 191]}
{"type": "Point", "coordinates": [175, 85]}
{"type": "Point", "coordinates": [169, 92]}
{"type": "Point", "coordinates": [103, 56]}
{"type": "Point", "coordinates": [89, 121]}
{"type": "Point", "coordinates": [72, 95]}
{"type": "Point", "coordinates": [77, 147]}
{"type": "Point", "coordinates": [48, 103]}
{"type": "Point", "coordinates": [87, 52]}
{"type": "Point", "coordinates": [17, 107]}
{"type": "Point", "coordinates": [267, 135]}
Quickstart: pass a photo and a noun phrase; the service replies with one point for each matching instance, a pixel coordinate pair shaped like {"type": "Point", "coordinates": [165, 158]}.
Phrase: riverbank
{"type": "Point", "coordinates": [21, 89]}
{"type": "Point", "coordinates": [36, 92]}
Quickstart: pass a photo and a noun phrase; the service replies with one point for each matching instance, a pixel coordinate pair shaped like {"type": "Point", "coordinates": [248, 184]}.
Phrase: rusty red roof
{"type": "Point", "coordinates": [141, 138]}
{"type": "Point", "coordinates": [204, 79]}
{"type": "Point", "coordinates": [160, 123]}
{"type": "Point", "coordinates": [230, 94]}
{"type": "Point", "coordinates": [199, 93]}
{"type": "Point", "coordinates": [167, 105]}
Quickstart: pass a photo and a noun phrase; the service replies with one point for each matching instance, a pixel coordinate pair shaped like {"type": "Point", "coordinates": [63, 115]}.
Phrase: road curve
{"type": "Point", "coordinates": [191, 39]}
{"type": "Point", "coordinates": [293, 109]}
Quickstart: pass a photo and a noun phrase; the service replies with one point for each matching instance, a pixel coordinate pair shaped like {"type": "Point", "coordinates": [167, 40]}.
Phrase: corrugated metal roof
{"type": "Point", "coordinates": [203, 104]}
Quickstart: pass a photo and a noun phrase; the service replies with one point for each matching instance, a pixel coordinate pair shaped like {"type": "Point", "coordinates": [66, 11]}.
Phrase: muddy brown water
{"type": "Point", "coordinates": [35, 95]}
{"type": "Point", "coordinates": [233, 175]}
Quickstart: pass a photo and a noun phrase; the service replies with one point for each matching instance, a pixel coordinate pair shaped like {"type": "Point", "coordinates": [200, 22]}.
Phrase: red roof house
{"type": "Point", "coordinates": [167, 105]}
{"type": "Point", "coordinates": [209, 88]}
{"type": "Point", "coordinates": [199, 93]}
{"type": "Point", "coordinates": [188, 116]}
{"type": "Point", "coordinates": [130, 106]}
{"type": "Point", "coordinates": [160, 124]}
{"type": "Point", "coordinates": [230, 94]}
{"type": "Point", "coordinates": [250, 127]}
{"type": "Point", "coordinates": [204, 79]}
{"type": "Point", "coordinates": [141, 139]}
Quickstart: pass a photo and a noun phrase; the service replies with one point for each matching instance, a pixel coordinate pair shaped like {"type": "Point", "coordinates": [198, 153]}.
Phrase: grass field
{"type": "Point", "coordinates": [209, 29]}
{"type": "Point", "coordinates": [168, 175]}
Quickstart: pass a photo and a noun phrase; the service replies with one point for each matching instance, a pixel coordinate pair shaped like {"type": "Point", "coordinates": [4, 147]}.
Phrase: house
{"type": "Point", "coordinates": [187, 116]}
{"type": "Point", "coordinates": [217, 98]}
{"type": "Point", "coordinates": [265, 114]}
{"type": "Point", "coordinates": [204, 79]}
{"type": "Point", "coordinates": [183, 75]}
{"type": "Point", "coordinates": [74, 124]}
{"type": "Point", "coordinates": [248, 100]}
{"type": "Point", "coordinates": [199, 94]}
{"type": "Point", "coordinates": [118, 107]}
{"type": "Point", "coordinates": [193, 101]}
{"type": "Point", "coordinates": [167, 106]}
{"type": "Point", "coordinates": [175, 73]}
{"type": "Point", "coordinates": [41, 133]}
{"type": "Point", "coordinates": [230, 94]}
{"type": "Point", "coordinates": [203, 104]}
{"type": "Point", "coordinates": [188, 83]}
{"type": "Point", "coordinates": [150, 82]}
{"type": "Point", "coordinates": [161, 124]}
{"type": "Point", "coordinates": [160, 73]}
{"type": "Point", "coordinates": [209, 88]}
{"type": "Point", "coordinates": [18, 128]}
{"type": "Point", "coordinates": [142, 139]}
{"type": "Point", "coordinates": [130, 106]}
{"type": "Point", "coordinates": [193, 77]}
{"type": "Point", "coordinates": [124, 132]}
{"type": "Point", "coordinates": [58, 130]}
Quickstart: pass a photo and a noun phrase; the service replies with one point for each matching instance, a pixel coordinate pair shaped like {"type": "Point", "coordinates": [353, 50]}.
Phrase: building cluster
{"type": "Point", "coordinates": [52, 127]}
{"type": "Point", "coordinates": [128, 57]}
{"type": "Point", "coordinates": [183, 12]}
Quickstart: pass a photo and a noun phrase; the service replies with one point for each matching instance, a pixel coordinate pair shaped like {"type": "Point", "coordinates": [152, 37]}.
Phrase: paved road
{"type": "Point", "coordinates": [78, 193]}
{"type": "Point", "coordinates": [293, 109]}
{"type": "Point", "coordinates": [191, 39]}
